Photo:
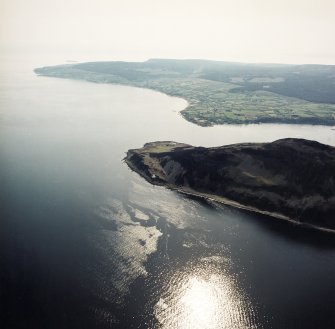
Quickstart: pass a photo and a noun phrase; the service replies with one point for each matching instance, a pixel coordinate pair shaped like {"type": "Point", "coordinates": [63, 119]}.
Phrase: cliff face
{"type": "Point", "coordinates": [293, 178]}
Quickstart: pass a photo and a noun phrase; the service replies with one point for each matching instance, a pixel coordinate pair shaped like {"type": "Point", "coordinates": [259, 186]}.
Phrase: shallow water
{"type": "Point", "coordinates": [87, 243]}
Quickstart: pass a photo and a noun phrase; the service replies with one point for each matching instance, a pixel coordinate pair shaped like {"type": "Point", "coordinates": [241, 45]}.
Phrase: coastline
{"type": "Point", "coordinates": [209, 102]}
{"type": "Point", "coordinates": [225, 201]}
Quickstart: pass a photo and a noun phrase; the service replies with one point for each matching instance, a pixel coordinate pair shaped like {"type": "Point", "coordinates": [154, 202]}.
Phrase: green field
{"type": "Point", "coordinates": [240, 94]}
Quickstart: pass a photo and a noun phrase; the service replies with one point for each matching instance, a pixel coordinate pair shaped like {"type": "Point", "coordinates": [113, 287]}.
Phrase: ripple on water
{"type": "Point", "coordinates": [204, 296]}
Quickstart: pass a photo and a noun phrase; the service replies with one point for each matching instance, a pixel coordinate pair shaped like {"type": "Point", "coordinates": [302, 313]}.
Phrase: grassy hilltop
{"type": "Point", "coordinates": [223, 92]}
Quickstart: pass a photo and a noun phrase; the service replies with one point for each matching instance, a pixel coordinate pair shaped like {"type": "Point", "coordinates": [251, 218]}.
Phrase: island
{"type": "Point", "coordinates": [290, 179]}
{"type": "Point", "coordinates": [223, 92]}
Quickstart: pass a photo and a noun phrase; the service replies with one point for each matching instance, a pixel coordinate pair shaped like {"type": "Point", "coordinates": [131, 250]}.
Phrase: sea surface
{"type": "Point", "coordinates": [87, 243]}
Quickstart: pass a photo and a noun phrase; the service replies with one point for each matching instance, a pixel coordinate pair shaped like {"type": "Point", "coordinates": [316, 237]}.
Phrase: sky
{"type": "Point", "coordinates": [280, 31]}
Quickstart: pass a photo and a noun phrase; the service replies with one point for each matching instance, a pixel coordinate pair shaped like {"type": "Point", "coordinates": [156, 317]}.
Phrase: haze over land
{"type": "Point", "coordinates": [298, 31]}
{"type": "Point", "coordinates": [224, 92]}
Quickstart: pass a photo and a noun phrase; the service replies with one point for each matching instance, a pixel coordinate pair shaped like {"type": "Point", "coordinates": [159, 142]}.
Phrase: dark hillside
{"type": "Point", "coordinates": [294, 178]}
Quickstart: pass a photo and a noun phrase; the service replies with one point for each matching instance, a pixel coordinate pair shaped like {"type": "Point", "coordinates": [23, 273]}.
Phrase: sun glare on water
{"type": "Point", "coordinates": [198, 300]}
{"type": "Point", "coordinates": [200, 303]}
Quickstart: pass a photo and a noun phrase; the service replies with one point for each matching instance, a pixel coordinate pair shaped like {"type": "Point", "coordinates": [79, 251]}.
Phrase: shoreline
{"type": "Point", "coordinates": [204, 113]}
{"type": "Point", "coordinates": [190, 104]}
{"type": "Point", "coordinates": [226, 201]}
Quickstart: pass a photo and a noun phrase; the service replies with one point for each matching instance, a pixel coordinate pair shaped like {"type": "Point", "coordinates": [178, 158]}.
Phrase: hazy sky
{"type": "Point", "coordinates": [296, 31]}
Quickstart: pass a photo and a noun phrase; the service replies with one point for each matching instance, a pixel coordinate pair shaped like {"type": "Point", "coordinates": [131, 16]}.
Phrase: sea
{"type": "Point", "coordinates": [87, 243]}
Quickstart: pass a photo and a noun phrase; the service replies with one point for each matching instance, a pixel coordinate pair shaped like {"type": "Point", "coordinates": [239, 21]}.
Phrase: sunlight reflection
{"type": "Point", "coordinates": [200, 303]}
{"type": "Point", "coordinates": [204, 298]}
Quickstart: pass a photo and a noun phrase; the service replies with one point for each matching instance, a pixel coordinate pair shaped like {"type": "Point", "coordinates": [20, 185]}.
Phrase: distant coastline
{"type": "Point", "coordinates": [221, 92]}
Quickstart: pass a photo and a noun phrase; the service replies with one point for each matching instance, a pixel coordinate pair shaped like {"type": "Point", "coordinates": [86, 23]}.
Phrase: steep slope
{"type": "Point", "coordinates": [290, 178]}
